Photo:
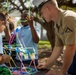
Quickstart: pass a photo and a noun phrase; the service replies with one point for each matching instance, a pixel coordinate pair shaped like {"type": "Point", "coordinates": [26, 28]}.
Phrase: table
{"type": "Point", "coordinates": [41, 71]}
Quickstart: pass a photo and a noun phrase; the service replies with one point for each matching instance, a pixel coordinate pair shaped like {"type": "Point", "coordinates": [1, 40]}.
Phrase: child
{"type": "Point", "coordinates": [30, 36]}
{"type": "Point", "coordinates": [3, 58]}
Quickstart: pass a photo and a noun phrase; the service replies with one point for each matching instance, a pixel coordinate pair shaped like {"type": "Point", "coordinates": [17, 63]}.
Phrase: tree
{"type": "Point", "coordinates": [22, 5]}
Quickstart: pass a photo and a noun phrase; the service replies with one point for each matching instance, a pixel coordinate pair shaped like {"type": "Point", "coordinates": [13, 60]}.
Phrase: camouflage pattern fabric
{"type": "Point", "coordinates": [4, 71]}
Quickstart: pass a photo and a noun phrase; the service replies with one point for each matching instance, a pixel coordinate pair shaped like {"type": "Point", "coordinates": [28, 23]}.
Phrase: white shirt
{"type": "Point", "coordinates": [1, 44]}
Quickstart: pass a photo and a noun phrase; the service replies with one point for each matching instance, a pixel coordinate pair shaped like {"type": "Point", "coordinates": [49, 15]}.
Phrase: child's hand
{"type": "Point", "coordinates": [1, 59]}
{"type": "Point", "coordinates": [30, 20]}
{"type": "Point", "coordinates": [6, 58]}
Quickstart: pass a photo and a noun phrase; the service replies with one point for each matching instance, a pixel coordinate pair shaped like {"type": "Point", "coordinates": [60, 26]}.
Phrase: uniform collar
{"type": "Point", "coordinates": [60, 16]}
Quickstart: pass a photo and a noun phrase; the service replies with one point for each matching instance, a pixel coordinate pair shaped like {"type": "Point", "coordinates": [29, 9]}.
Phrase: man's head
{"type": "Point", "coordinates": [47, 9]}
{"type": "Point", "coordinates": [2, 22]}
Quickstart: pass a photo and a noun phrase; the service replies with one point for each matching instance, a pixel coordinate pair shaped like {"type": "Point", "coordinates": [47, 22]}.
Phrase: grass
{"type": "Point", "coordinates": [44, 44]}
{"type": "Point", "coordinates": [41, 45]}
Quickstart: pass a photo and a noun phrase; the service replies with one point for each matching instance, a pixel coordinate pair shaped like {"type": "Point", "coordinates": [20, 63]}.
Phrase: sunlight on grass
{"type": "Point", "coordinates": [44, 44]}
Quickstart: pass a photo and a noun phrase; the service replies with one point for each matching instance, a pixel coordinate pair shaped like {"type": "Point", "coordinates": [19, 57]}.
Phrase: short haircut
{"type": "Point", "coordinates": [26, 12]}
{"type": "Point", "coordinates": [52, 2]}
{"type": "Point", "coordinates": [2, 17]}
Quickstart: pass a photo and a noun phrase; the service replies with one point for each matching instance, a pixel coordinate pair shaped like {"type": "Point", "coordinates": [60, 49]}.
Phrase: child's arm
{"type": "Point", "coordinates": [7, 32]}
{"type": "Point", "coordinates": [33, 31]}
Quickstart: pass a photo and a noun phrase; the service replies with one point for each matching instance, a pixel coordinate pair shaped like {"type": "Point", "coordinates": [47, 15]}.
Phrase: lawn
{"type": "Point", "coordinates": [44, 44]}
{"type": "Point", "coordinates": [45, 52]}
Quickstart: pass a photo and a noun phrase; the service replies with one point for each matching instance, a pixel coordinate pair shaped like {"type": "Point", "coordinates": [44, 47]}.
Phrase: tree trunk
{"type": "Point", "coordinates": [49, 27]}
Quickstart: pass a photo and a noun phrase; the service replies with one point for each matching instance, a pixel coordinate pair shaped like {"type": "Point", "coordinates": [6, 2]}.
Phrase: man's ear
{"type": "Point", "coordinates": [48, 7]}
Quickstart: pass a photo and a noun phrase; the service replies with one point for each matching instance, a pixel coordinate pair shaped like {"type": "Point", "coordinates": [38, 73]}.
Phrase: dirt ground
{"type": "Point", "coordinates": [44, 55]}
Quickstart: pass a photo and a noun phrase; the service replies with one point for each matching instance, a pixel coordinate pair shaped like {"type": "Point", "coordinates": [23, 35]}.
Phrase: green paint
{"type": "Point", "coordinates": [7, 5]}
{"type": "Point", "coordinates": [4, 71]}
{"type": "Point", "coordinates": [23, 20]}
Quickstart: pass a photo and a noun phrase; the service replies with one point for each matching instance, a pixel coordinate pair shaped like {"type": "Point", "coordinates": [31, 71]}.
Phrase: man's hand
{"type": "Point", "coordinates": [54, 72]}
{"type": "Point", "coordinates": [42, 66]}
